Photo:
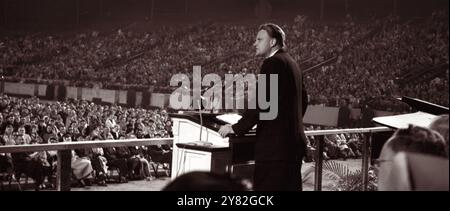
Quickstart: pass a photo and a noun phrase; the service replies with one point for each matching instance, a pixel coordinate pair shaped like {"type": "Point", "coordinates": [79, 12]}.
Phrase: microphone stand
{"type": "Point", "coordinates": [201, 118]}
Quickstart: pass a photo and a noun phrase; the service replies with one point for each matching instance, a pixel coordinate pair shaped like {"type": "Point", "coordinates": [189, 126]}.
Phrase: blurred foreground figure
{"type": "Point", "coordinates": [414, 158]}
{"type": "Point", "coordinates": [206, 181]}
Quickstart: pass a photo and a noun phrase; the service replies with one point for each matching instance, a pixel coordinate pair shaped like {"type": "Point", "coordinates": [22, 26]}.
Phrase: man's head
{"type": "Point", "coordinates": [440, 124]}
{"type": "Point", "coordinates": [413, 139]}
{"type": "Point", "coordinates": [20, 140]}
{"type": "Point", "coordinates": [270, 37]}
{"type": "Point", "coordinates": [10, 119]}
{"type": "Point", "coordinates": [34, 128]}
{"type": "Point", "coordinates": [62, 129]}
{"type": "Point", "coordinates": [70, 130]}
{"type": "Point", "coordinates": [49, 128]}
{"type": "Point", "coordinates": [95, 130]}
{"type": "Point", "coordinates": [21, 130]}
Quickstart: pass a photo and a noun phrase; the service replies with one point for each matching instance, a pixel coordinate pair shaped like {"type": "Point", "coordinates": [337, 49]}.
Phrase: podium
{"type": "Point", "coordinates": [197, 146]}
{"type": "Point", "coordinates": [425, 113]}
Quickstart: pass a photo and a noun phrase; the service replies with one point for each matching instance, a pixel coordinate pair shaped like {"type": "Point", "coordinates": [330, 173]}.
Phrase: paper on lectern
{"type": "Point", "coordinates": [403, 120]}
{"type": "Point", "coordinates": [231, 118]}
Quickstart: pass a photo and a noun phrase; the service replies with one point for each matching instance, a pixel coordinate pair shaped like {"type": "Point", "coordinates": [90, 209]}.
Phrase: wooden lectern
{"type": "Point", "coordinates": [197, 146]}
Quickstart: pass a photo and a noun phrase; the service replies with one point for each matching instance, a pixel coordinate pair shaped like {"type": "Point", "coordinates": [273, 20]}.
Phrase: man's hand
{"type": "Point", "coordinates": [225, 130]}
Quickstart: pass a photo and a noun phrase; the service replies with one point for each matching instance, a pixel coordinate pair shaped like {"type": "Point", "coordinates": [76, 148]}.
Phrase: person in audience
{"type": "Point", "coordinates": [354, 143]}
{"type": "Point", "coordinates": [21, 132]}
{"type": "Point", "coordinates": [81, 167]}
{"type": "Point", "coordinates": [133, 163]}
{"type": "Point", "coordinates": [44, 167]}
{"type": "Point", "coordinates": [6, 164]}
{"type": "Point", "coordinates": [8, 136]}
{"type": "Point", "coordinates": [115, 131]}
{"type": "Point", "coordinates": [32, 164]}
{"type": "Point", "coordinates": [98, 161]}
{"type": "Point", "coordinates": [144, 170]}
{"type": "Point", "coordinates": [111, 120]}
{"type": "Point", "coordinates": [34, 135]}
{"type": "Point", "coordinates": [50, 134]}
{"type": "Point", "coordinates": [116, 161]}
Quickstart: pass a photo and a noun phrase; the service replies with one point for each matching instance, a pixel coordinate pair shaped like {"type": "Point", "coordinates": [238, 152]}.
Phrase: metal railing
{"type": "Point", "coordinates": [365, 157]}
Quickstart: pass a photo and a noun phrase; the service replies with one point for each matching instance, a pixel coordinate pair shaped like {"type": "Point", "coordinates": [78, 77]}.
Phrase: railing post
{"type": "Point", "coordinates": [366, 159]}
{"type": "Point", "coordinates": [64, 170]}
{"type": "Point", "coordinates": [318, 166]}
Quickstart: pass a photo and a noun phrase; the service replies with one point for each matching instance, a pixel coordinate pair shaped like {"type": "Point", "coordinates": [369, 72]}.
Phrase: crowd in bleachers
{"type": "Point", "coordinates": [369, 56]}
{"type": "Point", "coordinates": [368, 70]}
{"type": "Point", "coordinates": [29, 121]}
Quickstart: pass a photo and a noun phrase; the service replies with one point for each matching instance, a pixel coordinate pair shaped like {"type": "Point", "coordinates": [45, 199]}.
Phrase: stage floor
{"type": "Point", "coordinates": [160, 182]}
{"type": "Point", "coordinates": [136, 185]}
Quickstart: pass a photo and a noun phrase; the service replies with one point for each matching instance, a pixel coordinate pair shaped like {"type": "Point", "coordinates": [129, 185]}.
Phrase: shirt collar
{"type": "Point", "coordinates": [273, 53]}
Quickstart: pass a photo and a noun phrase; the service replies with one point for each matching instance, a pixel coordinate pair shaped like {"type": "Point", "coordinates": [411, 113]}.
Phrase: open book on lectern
{"type": "Point", "coordinates": [425, 113]}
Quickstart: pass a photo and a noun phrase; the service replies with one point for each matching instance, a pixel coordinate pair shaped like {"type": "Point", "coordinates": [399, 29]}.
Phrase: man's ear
{"type": "Point", "coordinates": [273, 42]}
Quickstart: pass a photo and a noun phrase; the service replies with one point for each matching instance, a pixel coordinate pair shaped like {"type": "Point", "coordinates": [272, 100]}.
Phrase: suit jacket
{"type": "Point", "coordinates": [283, 138]}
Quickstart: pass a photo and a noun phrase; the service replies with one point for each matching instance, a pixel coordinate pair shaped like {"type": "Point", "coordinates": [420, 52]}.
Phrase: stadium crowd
{"type": "Point", "coordinates": [359, 61]}
{"type": "Point", "coordinates": [29, 121]}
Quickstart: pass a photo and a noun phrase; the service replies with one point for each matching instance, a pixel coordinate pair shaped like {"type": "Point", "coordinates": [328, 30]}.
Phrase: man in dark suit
{"type": "Point", "coordinates": [280, 144]}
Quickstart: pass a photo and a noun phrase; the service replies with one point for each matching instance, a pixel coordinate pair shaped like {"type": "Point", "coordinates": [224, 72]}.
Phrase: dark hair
{"type": "Point", "coordinates": [9, 126]}
{"type": "Point", "coordinates": [419, 140]}
{"type": "Point", "coordinates": [276, 32]}
{"type": "Point", "coordinates": [206, 181]}
{"type": "Point", "coordinates": [440, 125]}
